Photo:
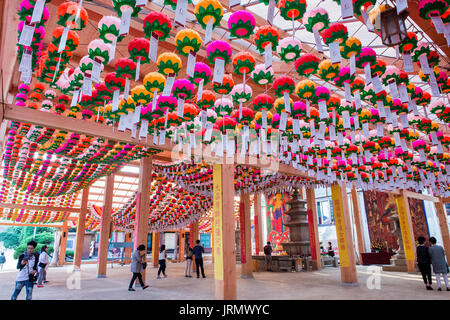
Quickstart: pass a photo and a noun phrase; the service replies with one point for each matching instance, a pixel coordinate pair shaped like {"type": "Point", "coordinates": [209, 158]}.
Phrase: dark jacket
{"type": "Point", "coordinates": [423, 255]}
{"type": "Point", "coordinates": [197, 251]}
{"type": "Point", "coordinates": [267, 250]}
{"type": "Point", "coordinates": [36, 260]}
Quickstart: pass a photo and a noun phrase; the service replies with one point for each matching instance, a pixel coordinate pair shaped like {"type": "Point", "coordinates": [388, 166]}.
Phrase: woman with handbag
{"type": "Point", "coordinates": [138, 265]}
{"type": "Point", "coordinates": [42, 266]}
{"type": "Point", "coordinates": [27, 265]}
{"type": "Point", "coordinates": [162, 261]}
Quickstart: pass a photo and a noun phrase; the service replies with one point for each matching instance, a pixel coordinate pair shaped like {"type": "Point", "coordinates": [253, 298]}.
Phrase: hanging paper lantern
{"type": "Point", "coordinates": [168, 63]}
{"type": "Point", "coordinates": [241, 24]}
{"type": "Point", "coordinates": [305, 89]}
{"type": "Point", "coordinates": [279, 105]}
{"type": "Point", "coordinates": [433, 58]}
{"type": "Point", "coordinates": [141, 95]}
{"type": "Point", "coordinates": [66, 15]}
{"type": "Point", "coordinates": [367, 56]}
{"type": "Point", "coordinates": [241, 93]}
{"type": "Point", "coordinates": [138, 49]}
{"type": "Point", "coordinates": [50, 94]}
{"type": "Point", "coordinates": [327, 70]}
{"type": "Point", "coordinates": [264, 36]}
{"type": "Point", "coordinates": [351, 46]}
{"type": "Point", "coordinates": [201, 72]}
{"type": "Point", "coordinates": [378, 68]}
{"type": "Point", "coordinates": [243, 63]}
{"type": "Point", "coordinates": [154, 81]}
{"type": "Point", "coordinates": [206, 10]}
{"type": "Point", "coordinates": [219, 49]}
{"type": "Point", "coordinates": [391, 73]}
{"type": "Point", "coordinates": [317, 19]}
{"type": "Point", "coordinates": [358, 84]}
{"type": "Point", "coordinates": [127, 105]}
{"type": "Point", "coordinates": [226, 86]}
{"type": "Point", "coordinates": [187, 40]}
{"type": "Point", "coordinates": [262, 101]}
{"type": "Point", "coordinates": [208, 99]}
{"type": "Point", "coordinates": [167, 103]}
{"type": "Point", "coordinates": [125, 68]}
{"type": "Point", "coordinates": [428, 8]}
{"type": "Point", "coordinates": [335, 32]}
{"type": "Point", "coordinates": [409, 44]}
{"type": "Point", "coordinates": [157, 24]}
{"type": "Point", "coordinates": [289, 49]}
{"type": "Point", "coordinates": [72, 40]}
{"type": "Point", "coordinates": [307, 64]}
{"type": "Point", "coordinates": [421, 48]}
{"type": "Point", "coordinates": [183, 89]}
{"type": "Point", "coordinates": [223, 106]}
{"type": "Point", "coordinates": [113, 82]}
{"type": "Point", "coordinates": [292, 9]}
{"type": "Point", "coordinates": [362, 5]}
{"type": "Point", "coordinates": [283, 84]}
{"type": "Point", "coordinates": [108, 28]}
{"type": "Point", "coordinates": [344, 76]}
{"type": "Point", "coordinates": [261, 75]}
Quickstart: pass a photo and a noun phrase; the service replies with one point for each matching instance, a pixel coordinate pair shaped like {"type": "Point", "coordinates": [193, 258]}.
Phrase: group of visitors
{"type": "Point", "coordinates": [138, 263]}
{"type": "Point", "coordinates": [432, 256]}
{"type": "Point", "coordinates": [32, 269]}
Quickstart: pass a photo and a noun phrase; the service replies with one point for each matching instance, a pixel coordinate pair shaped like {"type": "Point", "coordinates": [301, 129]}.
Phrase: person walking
{"type": "Point", "coordinates": [330, 250]}
{"type": "Point", "coordinates": [138, 265]}
{"type": "Point", "coordinates": [42, 266]}
{"type": "Point", "coordinates": [2, 260]}
{"type": "Point", "coordinates": [439, 263]}
{"type": "Point", "coordinates": [268, 256]}
{"type": "Point", "coordinates": [189, 254]}
{"type": "Point", "coordinates": [197, 251]}
{"type": "Point", "coordinates": [27, 265]}
{"type": "Point", "coordinates": [162, 261]}
{"type": "Point", "coordinates": [424, 262]}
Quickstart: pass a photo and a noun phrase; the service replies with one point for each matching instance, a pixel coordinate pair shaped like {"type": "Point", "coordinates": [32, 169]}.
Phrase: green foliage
{"type": "Point", "coordinates": [70, 253]}
{"type": "Point", "coordinates": [42, 238]}
{"type": "Point", "coordinates": [15, 236]}
{"type": "Point", "coordinates": [10, 238]}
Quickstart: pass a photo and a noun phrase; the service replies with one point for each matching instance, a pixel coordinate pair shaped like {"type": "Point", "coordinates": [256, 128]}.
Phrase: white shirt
{"type": "Point", "coordinates": [43, 258]}
{"type": "Point", "coordinates": [26, 270]}
{"type": "Point", "coordinates": [162, 255]}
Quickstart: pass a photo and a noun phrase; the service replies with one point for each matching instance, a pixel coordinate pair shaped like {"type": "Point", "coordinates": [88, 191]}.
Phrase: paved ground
{"type": "Point", "coordinates": [322, 285]}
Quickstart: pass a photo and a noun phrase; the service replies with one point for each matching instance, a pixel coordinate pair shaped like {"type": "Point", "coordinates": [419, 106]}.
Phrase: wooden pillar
{"type": "Point", "coordinates": [257, 221]}
{"type": "Point", "coordinates": [442, 216]}
{"type": "Point", "coordinates": [404, 216]}
{"type": "Point", "coordinates": [81, 229]}
{"type": "Point", "coordinates": [105, 229]}
{"type": "Point", "coordinates": [195, 233]}
{"type": "Point", "coordinates": [358, 223]}
{"type": "Point", "coordinates": [181, 246]}
{"type": "Point", "coordinates": [313, 229]}
{"type": "Point", "coordinates": [155, 248]}
{"type": "Point", "coordinates": [344, 235]}
{"type": "Point", "coordinates": [63, 246]}
{"type": "Point", "coordinates": [128, 251]}
{"type": "Point", "coordinates": [143, 205]}
{"type": "Point", "coordinates": [246, 236]}
{"type": "Point", "coordinates": [224, 234]}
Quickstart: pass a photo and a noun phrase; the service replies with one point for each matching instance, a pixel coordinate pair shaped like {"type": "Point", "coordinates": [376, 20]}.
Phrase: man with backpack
{"type": "Point", "coordinates": [268, 256]}
{"type": "Point", "coordinates": [27, 266]}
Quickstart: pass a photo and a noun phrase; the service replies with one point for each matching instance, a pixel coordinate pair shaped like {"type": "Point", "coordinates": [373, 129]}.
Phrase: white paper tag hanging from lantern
{"type": "Point", "coordinates": [387, 112]}
{"type": "Point", "coordinates": [37, 11]}
{"type": "Point", "coordinates": [168, 85]}
{"type": "Point", "coordinates": [368, 73]}
{"type": "Point", "coordinates": [348, 92]}
{"type": "Point", "coordinates": [393, 89]}
{"type": "Point", "coordinates": [424, 64]}
{"type": "Point", "coordinates": [75, 98]}
{"type": "Point", "coordinates": [143, 132]}
{"type": "Point", "coordinates": [434, 86]}
{"type": "Point", "coordinates": [403, 144]}
{"type": "Point", "coordinates": [200, 90]}
{"type": "Point", "coordinates": [191, 64]}
{"type": "Point", "coordinates": [308, 108]}
{"type": "Point", "coordinates": [134, 131]}
{"type": "Point", "coordinates": [397, 139]}
{"type": "Point", "coordinates": [380, 108]}
{"type": "Point", "coordinates": [438, 24]}
{"type": "Point", "coordinates": [270, 11]}
{"type": "Point", "coordinates": [112, 51]}
{"type": "Point", "coordinates": [296, 126]}
{"type": "Point", "coordinates": [203, 116]}
{"type": "Point", "coordinates": [233, 3]}
{"type": "Point", "coordinates": [404, 121]}
{"type": "Point", "coordinates": [346, 9]}
{"type": "Point", "coordinates": [264, 118]}
{"type": "Point", "coordinates": [312, 127]}
{"type": "Point", "coordinates": [63, 40]}
{"type": "Point", "coordinates": [240, 110]}
{"type": "Point", "coordinates": [154, 99]}
{"type": "Point", "coordinates": [367, 21]}
{"type": "Point", "coordinates": [208, 132]}
{"type": "Point", "coordinates": [394, 120]}
{"type": "Point", "coordinates": [283, 120]}
{"type": "Point", "coordinates": [356, 122]}
{"type": "Point", "coordinates": [352, 64]}
{"type": "Point", "coordinates": [268, 55]}
{"type": "Point", "coordinates": [208, 33]}
{"type": "Point", "coordinates": [122, 123]}
{"type": "Point", "coordinates": [219, 70]}
{"type": "Point", "coordinates": [26, 36]}
{"type": "Point", "coordinates": [180, 108]}
{"type": "Point", "coordinates": [181, 12]}
{"type": "Point", "coordinates": [155, 138]}
{"type": "Point", "coordinates": [26, 61]}
{"type": "Point", "coordinates": [124, 27]}
{"type": "Point", "coordinates": [379, 130]}
{"type": "Point", "coordinates": [323, 114]}
{"type": "Point", "coordinates": [377, 86]}
{"type": "Point", "coordinates": [87, 86]}
{"type": "Point", "coordinates": [96, 70]}
{"type": "Point", "coordinates": [434, 139]}
{"type": "Point", "coordinates": [402, 5]}
{"type": "Point", "coordinates": [321, 132]}
{"type": "Point", "coordinates": [318, 40]}
{"type": "Point", "coordinates": [287, 102]}
{"type": "Point", "coordinates": [407, 62]}
{"type": "Point", "coordinates": [153, 50]}
{"type": "Point", "coordinates": [136, 114]}
{"type": "Point", "coordinates": [357, 95]}
{"type": "Point", "coordinates": [332, 132]}
{"type": "Point", "coordinates": [126, 90]}
{"type": "Point", "coordinates": [340, 138]}
{"type": "Point", "coordinates": [335, 52]}
{"type": "Point", "coordinates": [365, 127]}
{"type": "Point", "coordinates": [141, 3]}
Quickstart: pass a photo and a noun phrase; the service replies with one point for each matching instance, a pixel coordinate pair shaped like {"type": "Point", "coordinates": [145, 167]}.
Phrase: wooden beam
{"type": "Point", "coordinates": [38, 225]}
{"type": "Point", "coordinates": [358, 223]}
{"type": "Point", "coordinates": [142, 205]}
{"type": "Point", "coordinates": [37, 208]}
{"type": "Point", "coordinates": [63, 245]}
{"type": "Point", "coordinates": [155, 248]}
{"type": "Point", "coordinates": [105, 230]}
{"type": "Point", "coordinates": [311, 207]}
{"type": "Point", "coordinates": [442, 216]}
{"type": "Point", "coordinates": [246, 240]}
{"type": "Point", "coordinates": [420, 196]}
{"type": "Point", "coordinates": [344, 235]}
{"type": "Point", "coordinates": [404, 215]}
{"type": "Point", "coordinates": [224, 232]}
{"type": "Point", "coordinates": [81, 228]}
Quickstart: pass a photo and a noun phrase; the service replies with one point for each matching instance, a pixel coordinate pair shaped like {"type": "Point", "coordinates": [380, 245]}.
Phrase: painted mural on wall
{"type": "Point", "coordinates": [380, 206]}
{"type": "Point", "coordinates": [277, 205]}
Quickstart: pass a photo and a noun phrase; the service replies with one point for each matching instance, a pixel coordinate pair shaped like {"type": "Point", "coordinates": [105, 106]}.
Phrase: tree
{"type": "Point", "coordinates": [43, 238]}
{"type": "Point", "coordinates": [11, 237]}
